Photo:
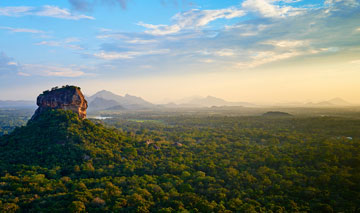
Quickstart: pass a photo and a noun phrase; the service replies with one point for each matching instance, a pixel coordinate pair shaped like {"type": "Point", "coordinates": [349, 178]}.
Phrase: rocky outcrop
{"type": "Point", "coordinates": [66, 98]}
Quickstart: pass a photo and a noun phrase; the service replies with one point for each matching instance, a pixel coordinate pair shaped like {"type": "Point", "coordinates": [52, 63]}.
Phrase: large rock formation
{"type": "Point", "coordinates": [66, 98]}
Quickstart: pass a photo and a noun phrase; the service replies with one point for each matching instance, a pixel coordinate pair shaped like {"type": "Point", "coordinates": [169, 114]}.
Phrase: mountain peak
{"type": "Point", "coordinates": [126, 101]}
{"type": "Point", "coordinates": [104, 92]}
{"type": "Point", "coordinates": [338, 101]}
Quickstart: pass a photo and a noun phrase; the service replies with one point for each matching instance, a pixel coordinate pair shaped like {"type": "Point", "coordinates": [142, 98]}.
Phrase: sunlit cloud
{"type": "Point", "coordinates": [51, 71]}
{"type": "Point", "coordinates": [357, 62]}
{"type": "Point", "coordinates": [269, 8]}
{"type": "Point", "coordinates": [129, 54]}
{"type": "Point", "coordinates": [287, 43]}
{"type": "Point", "coordinates": [192, 19]}
{"type": "Point", "coordinates": [206, 60]}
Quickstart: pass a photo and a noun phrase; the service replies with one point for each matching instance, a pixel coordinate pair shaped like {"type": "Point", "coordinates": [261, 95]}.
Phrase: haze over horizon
{"type": "Point", "coordinates": [260, 51]}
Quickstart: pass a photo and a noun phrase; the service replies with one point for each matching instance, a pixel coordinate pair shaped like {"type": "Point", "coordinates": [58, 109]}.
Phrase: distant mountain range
{"type": "Point", "coordinates": [17, 104]}
{"type": "Point", "coordinates": [331, 102]}
{"type": "Point", "coordinates": [208, 101]}
{"type": "Point", "coordinates": [105, 100]}
{"type": "Point", "coordinates": [335, 102]}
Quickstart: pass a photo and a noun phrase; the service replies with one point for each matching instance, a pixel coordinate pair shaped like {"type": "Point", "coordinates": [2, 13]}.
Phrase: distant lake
{"type": "Point", "coordinates": [101, 117]}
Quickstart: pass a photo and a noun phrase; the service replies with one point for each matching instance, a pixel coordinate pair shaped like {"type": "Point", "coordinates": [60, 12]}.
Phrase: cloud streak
{"type": "Point", "coordinates": [50, 71]}
{"type": "Point", "coordinates": [111, 55]}
{"type": "Point", "coordinates": [66, 43]}
{"type": "Point", "coordinates": [193, 19]}
{"type": "Point", "coordinates": [269, 8]}
{"type": "Point", "coordinates": [43, 11]}
{"type": "Point", "coordinates": [22, 30]}
{"type": "Point", "coordinates": [9, 67]}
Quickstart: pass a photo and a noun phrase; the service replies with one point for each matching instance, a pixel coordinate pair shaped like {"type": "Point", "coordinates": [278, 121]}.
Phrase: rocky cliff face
{"type": "Point", "coordinates": [66, 98]}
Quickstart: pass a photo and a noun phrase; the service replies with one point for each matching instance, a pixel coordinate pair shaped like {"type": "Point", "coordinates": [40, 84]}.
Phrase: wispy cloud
{"type": "Point", "coordinates": [351, 3]}
{"type": "Point", "coordinates": [269, 8]}
{"type": "Point", "coordinates": [66, 43]}
{"type": "Point", "coordinates": [192, 19]}
{"type": "Point", "coordinates": [279, 33]}
{"type": "Point", "coordinates": [22, 30]}
{"type": "Point", "coordinates": [287, 43]}
{"type": "Point", "coordinates": [44, 11]}
{"type": "Point", "coordinates": [8, 66]}
{"type": "Point", "coordinates": [139, 39]}
{"type": "Point", "coordinates": [48, 70]}
{"type": "Point", "coordinates": [128, 54]}
{"type": "Point", "coordinates": [221, 52]}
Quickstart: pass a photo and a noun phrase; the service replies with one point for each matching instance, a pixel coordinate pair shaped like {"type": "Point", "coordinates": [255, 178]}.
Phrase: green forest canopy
{"type": "Point", "coordinates": [60, 163]}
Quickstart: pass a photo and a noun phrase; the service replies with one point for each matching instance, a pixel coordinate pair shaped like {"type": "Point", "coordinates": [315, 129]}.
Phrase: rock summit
{"type": "Point", "coordinates": [66, 98]}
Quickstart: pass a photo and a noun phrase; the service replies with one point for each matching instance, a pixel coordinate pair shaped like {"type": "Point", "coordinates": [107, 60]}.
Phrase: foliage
{"type": "Point", "coordinates": [66, 87]}
{"type": "Point", "coordinates": [60, 163]}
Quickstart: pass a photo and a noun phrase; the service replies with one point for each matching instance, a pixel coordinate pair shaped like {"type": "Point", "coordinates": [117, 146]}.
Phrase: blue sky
{"type": "Point", "coordinates": [253, 50]}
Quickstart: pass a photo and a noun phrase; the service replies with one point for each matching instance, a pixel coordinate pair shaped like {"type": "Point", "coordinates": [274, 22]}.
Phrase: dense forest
{"type": "Point", "coordinates": [175, 162]}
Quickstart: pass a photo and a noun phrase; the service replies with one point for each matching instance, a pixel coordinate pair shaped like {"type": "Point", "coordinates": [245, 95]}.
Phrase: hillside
{"type": "Point", "coordinates": [101, 104]}
{"type": "Point", "coordinates": [57, 138]}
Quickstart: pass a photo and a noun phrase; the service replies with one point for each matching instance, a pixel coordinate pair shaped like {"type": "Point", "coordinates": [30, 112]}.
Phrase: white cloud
{"type": "Point", "coordinates": [208, 61]}
{"type": "Point", "coordinates": [15, 11]}
{"type": "Point", "coordinates": [192, 19]}
{"type": "Point", "coordinates": [267, 8]}
{"type": "Point", "coordinates": [9, 67]}
{"type": "Point", "coordinates": [225, 52]}
{"type": "Point", "coordinates": [126, 39]}
{"type": "Point", "coordinates": [23, 74]}
{"type": "Point", "coordinates": [221, 52]}
{"type": "Point", "coordinates": [160, 29]}
{"type": "Point", "coordinates": [45, 11]}
{"type": "Point", "coordinates": [66, 43]}
{"type": "Point", "coordinates": [287, 43]}
{"type": "Point", "coordinates": [21, 30]}
{"type": "Point", "coordinates": [12, 63]}
{"type": "Point", "coordinates": [350, 3]}
{"type": "Point", "coordinates": [264, 57]}
{"type": "Point", "coordinates": [49, 43]}
{"type": "Point", "coordinates": [140, 41]}
{"type": "Point", "coordinates": [128, 55]}
{"type": "Point", "coordinates": [45, 70]}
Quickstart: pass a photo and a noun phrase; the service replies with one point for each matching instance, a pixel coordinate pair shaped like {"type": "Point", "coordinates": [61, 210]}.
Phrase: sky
{"type": "Point", "coordinates": [261, 51]}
